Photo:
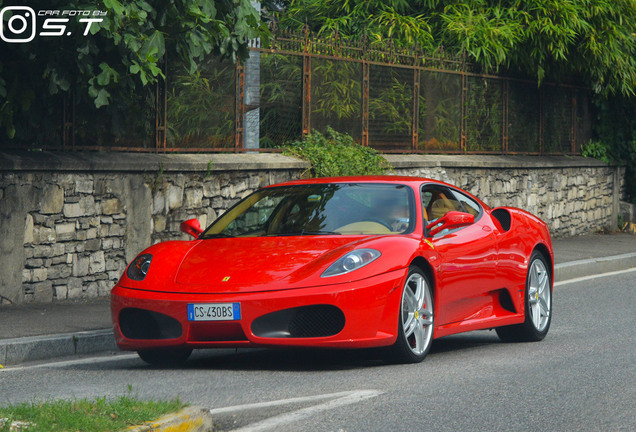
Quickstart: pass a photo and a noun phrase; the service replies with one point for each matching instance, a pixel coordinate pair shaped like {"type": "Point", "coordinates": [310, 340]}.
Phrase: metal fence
{"type": "Point", "coordinates": [390, 99]}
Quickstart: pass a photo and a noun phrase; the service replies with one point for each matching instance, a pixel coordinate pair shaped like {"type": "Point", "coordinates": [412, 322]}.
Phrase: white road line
{"type": "Point", "coordinates": [336, 400]}
{"type": "Point", "coordinates": [64, 363]}
{"type": "Point", "coordinates": [585, 278]}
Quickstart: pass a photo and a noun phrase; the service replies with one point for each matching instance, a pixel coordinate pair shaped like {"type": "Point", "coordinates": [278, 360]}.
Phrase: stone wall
{"type": "Point", "coordinates": [70, 223]}
{"type": "Point", "coordinates": [573, 195]}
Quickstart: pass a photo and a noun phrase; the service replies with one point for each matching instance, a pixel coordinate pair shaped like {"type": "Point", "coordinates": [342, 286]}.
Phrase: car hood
{"type": "Point", "coordinates": [251, 264]}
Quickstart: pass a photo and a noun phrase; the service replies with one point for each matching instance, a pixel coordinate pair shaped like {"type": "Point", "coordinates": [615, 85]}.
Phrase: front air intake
{"type": "Point", "coordinates": [300, 322]}
{"type": "Point", "coordinates": [144, 324]}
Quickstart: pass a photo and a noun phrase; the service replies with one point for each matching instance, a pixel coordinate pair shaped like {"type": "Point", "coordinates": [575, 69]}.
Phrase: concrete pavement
{"type": "Point", "coordinates": [40, 332]}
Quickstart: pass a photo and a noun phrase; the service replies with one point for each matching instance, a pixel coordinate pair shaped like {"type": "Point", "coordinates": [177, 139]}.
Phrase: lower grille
{"type": "Point", "coordinates": [144, 324]}
{"type": "Point", "coordinates": [300, 322]}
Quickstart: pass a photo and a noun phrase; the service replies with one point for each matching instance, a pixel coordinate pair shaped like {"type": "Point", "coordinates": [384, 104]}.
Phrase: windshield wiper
{"type": "Point", "coordinates": [303, 233]}
{"type": "Point", "coordinates": [218, 235]}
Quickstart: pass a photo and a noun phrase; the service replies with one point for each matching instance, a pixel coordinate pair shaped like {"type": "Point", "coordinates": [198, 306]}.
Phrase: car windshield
{"type": "Point", "coordinates": [316, 209]}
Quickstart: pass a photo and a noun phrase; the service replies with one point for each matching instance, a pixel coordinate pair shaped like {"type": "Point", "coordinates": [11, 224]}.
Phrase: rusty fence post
{"type": "Point", "coordinates": [463, 102]}
{"type": "Point", "coordinates": [541, 119]}
{"type": "Point", "coordinates": [306, 107]}
{"type": "Point", "coordinates": [239, 106]}
{"type": "Point", "coordinates": [68, 122]}
{"type": "Point", "coordinates": [504, 126]}
{"type": "Point", "coordinates": [365, 102]}
{"type": "Point", "coordinates": [415, 121]}
{"type": "Point", "coordinates": [573, 123]}
{"type": "Point", "coordinates": [161, 109]}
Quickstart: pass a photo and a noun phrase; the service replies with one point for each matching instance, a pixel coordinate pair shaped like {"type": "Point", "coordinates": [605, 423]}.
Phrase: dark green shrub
{"type": "Point", "coordinates": [337, 154]}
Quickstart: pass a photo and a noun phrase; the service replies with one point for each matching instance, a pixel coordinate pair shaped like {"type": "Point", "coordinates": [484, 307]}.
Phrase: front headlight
{"type": "Point", "coordinates": [351, 261]}
{"type": "Point", "coordinates": [138, 268]}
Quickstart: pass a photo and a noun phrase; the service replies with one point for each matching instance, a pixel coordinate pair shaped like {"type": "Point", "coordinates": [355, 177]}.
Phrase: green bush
{"type": "Point", "coordinates": [337, 154]}
{"type": "Point", "coordinates": [597, 150]}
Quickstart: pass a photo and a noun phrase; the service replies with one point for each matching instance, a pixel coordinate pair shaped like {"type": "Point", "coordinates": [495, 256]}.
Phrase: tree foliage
{"type": "Point", "coordinates": [593, 41]}
{"type": "Point", "coordinates": [121, 57]}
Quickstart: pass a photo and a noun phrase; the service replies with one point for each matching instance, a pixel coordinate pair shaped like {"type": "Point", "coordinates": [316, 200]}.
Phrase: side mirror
{"type": "Point", "coordinates": [192, 227]}
{"type": "Point", "coordinates": [451, 220]}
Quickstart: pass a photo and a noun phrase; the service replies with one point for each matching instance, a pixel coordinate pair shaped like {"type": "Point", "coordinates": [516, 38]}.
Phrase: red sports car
{"type": "Point", "coordinates": [340, 262]}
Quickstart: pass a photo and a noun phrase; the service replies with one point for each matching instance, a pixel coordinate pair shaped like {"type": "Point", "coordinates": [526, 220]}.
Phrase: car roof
{"type": "Point", "coordinates": [414, 182]}
{"type": "Point", "coordinates": [362, 179]}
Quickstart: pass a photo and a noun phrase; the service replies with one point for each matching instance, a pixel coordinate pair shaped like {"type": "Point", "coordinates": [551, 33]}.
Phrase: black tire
{"type": "Point", "coordinates": [407, 349]}
{"type": "Point", "coordinates": [169, 357]}
{"type": "Point", "coordinates": [536, 326]}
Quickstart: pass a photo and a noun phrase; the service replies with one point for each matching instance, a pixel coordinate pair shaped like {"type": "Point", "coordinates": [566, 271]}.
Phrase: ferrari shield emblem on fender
{"type": "Point", "coordinates": [226, 278]}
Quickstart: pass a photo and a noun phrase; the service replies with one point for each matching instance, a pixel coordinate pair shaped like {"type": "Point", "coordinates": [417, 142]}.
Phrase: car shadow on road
{"type": "Point", "coordinates": [307, 359]}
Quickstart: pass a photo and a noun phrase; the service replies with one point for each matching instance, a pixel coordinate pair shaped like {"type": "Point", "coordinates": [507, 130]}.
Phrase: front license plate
{"type": "Point", "coordinates": [214, 312]}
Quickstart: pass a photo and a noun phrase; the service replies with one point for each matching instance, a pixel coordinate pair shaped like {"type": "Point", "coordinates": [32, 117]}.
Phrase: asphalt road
{"type": "Point", "coordinates": [581, 377]}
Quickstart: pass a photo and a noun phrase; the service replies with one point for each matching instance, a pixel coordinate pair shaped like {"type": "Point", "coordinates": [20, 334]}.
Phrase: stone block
{"type": "Point", "coordinates": [58, 260]}
{"type": "Point", "coordinates": [92, 290]}
{"type": "Point", "coordinates": [97, 264]}
{"type": "Point", "coordinates": [160, 223]}
{"type": "Point", "coordinates": [111, 206]}
{"type": "Point", "coordinates": [57, 249]}
{"type": "Point", "coordinates": [26, 276]}
{"type": "Point", "coordinates": [80, 265]}
{"type": "Point", "coordinates": [65, 231]}
{"type": "Point", "coordinates": [84, 207]}
{"type": "Point", "coordinates": [174, 197]}
{"type": "Point", "coordinates": [60, 271]}
{"type": "Point", "coordinates": [39, 274]}
{"type": "Point", "coordinates": [116, 230]}
{"type": "Point", "coordinates": [75, 288]}
{"type": "Point", "coordinates": [43, 292]}
{"type": "Point", "coordinates": [92, 245]}
{"type": "Point", "coordinates": [43, 235]}
{"type": "Point", "coordinates": [193, 198]}
{"type": "Point", "coordinates": [28, 229]}
{"type": "Point", "coordinates": [34, 263]}
{"type": "Point", "coordinates": [211, 188]}
{"type": "Point", "coordinates": [60, 292]}
{"type": "Point", "coordinates": [52, 200]}
{"type": "Point", "coordinates": [84, 186]}
{"type": "Point", "coordinates": [103, 288]}
{"type": "Point", "coordinates": [158, 203]}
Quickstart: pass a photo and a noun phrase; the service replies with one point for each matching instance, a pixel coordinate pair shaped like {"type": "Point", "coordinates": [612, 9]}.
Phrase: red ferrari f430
{"type": "Point", "coordinates": [349, 262]}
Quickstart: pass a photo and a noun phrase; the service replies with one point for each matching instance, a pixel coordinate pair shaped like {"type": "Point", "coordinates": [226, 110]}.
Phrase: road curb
{"type": "Point", "coordinates": [593, 266]}
{"type": "Point", "coordinates": [191, 419]}
{"type": "Point", "coordinates": [33, 348]}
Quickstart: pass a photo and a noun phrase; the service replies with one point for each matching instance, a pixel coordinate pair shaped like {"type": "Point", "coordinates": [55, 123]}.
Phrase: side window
{"type": "Point", "coordinates": [469, 205]}
{"type": "Point", "coordinates": [436, 202]}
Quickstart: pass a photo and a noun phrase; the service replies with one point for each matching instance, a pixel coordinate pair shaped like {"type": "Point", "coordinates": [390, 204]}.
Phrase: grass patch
{"type": "Point", "coordinates": [87, 415]}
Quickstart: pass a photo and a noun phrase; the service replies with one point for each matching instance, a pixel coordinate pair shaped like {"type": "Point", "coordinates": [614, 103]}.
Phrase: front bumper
{"type": "Point", "coordinates": [370, 309]}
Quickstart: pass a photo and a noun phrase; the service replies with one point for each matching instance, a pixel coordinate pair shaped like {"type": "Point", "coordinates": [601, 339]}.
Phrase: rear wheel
{"type": "Point", "coordinates": [415, 326]}
{"type": "Point", "coordinates": [538, 304]}
{"type": "Point", "coordinates": [165, 357]}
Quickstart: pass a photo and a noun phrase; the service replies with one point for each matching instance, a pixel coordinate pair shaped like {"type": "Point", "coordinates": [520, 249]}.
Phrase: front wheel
{"type": "Point", "coordinates": [416, 320]}
{"type": "Point", "coordinates": [165, 357]}
{"type": "Point", "coordinates": [538, 305]}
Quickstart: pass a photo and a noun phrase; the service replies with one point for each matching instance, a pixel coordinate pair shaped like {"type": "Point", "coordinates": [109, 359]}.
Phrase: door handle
{"type": "Point", "coordinates": [486, 228]}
